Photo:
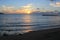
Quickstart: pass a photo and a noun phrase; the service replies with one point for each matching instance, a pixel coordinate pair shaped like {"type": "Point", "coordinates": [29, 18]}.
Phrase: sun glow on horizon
{"type": "Point", "coordinates": [28, 12]}
{"type": "Point", "coordinates": [29, 6]}
{"type": "Point", "coordinates": [27, 9]}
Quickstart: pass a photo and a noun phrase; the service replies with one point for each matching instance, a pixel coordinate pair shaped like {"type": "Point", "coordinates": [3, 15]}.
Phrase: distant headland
{"type": "Point", "coordinates": [1, 13]}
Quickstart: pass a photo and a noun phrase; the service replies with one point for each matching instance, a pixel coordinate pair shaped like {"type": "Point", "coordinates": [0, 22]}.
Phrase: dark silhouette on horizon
{"type": "Point", "coordinates": [1, 13]}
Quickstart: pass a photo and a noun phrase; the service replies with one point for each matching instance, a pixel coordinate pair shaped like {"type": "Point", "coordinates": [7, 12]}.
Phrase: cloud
{"type": "Point", "coordinates": [8, 9]}
{"type": "Point", "coordinates": [27, 6]}
{"type": "Point", "coordinates": [52, 0]}
{"type": "Point", "coordinates": [57, 4]}
{"type": "Point", "coordinates": [23, 9]}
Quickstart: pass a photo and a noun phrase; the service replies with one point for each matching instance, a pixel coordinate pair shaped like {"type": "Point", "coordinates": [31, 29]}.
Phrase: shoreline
{"type": "Point", "coordinates": [47, 34]}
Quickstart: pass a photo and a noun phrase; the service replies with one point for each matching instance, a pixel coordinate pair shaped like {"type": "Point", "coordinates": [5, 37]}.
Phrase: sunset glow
{"type": "Point", "coordinates": [27, 6]}
{"type": "Point", "coordinates": [28, 12]}
{"type": "Point", "coordinates": [27, 9]}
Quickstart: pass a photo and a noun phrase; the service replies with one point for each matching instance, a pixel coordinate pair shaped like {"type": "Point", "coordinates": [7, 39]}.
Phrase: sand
{"type": "Point", "coordinates": [48, 34]}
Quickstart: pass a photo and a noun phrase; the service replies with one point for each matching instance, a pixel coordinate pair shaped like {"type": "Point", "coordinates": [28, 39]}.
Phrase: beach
{"type": "Point", "coordinates": [48, 34]}
{"type": "Point", "coordinates": [30, 20]}
{"type": "Point", "coordinates": [29, 27]}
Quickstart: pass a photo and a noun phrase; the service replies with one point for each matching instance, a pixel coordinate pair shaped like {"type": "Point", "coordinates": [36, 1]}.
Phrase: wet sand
{"type": "Point", "coordinates": [48, 34]}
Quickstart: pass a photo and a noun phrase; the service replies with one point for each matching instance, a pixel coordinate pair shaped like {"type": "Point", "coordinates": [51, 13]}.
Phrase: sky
{"type": "Point", "coordinates": [28, 6]}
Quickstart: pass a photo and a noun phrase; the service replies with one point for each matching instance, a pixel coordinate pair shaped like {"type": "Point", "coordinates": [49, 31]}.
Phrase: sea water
{"type": "Point", "coordinates": [23, 23]}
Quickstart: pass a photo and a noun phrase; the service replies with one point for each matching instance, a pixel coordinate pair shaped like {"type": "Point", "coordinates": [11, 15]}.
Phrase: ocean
{"type": "Point", "coordinates": [23, 23]}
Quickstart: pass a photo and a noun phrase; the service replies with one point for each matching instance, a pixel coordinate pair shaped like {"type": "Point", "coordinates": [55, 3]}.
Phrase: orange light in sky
{"type": "Point", "coordinates": [28, 11]}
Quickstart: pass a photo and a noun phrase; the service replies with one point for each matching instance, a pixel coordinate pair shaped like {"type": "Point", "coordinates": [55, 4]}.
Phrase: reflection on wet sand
{"type": "Point", "coordinates": [28, 29]}
{"type": "Point", "coordinates": [25, 31]}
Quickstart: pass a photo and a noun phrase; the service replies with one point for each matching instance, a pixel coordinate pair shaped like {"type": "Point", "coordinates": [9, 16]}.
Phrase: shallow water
{"type": "Point", "coordinates": [18, 23]}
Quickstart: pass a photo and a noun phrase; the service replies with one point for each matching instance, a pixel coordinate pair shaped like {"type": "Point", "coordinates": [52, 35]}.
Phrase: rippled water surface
{"type": "Point", "coordinates": [18, 23]}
